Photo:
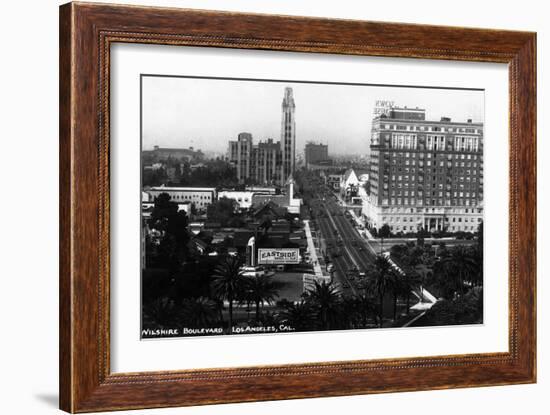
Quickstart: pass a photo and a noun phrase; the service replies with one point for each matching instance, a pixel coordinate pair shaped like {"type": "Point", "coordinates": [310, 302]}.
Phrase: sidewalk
{"type": "Point", "coordinates": [312, 250]}
{"type": "Point", "coordinates": [361, 221]}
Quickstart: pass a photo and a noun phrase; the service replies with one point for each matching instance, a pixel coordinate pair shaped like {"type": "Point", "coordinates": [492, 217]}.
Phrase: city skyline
{"type": "Point", "coordinates": [262, 241]}
{"type": "Point", "coordinates": [176, 110]}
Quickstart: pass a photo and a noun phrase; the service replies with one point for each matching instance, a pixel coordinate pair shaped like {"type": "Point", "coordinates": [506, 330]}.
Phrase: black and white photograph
{"type": "Point", "coordinates": [284, 206]}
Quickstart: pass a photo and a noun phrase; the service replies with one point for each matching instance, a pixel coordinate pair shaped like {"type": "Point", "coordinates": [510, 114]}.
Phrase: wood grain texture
{"type": "Point", "coordinates": [86, 33]}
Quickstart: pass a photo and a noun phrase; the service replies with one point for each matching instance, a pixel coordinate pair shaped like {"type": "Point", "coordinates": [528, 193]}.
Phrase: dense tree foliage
{"type": "Point", "coordinates": [210, 173]}
{"type": "Point", "coordinates": [224, 211]}
{"type": "Point", "coordinates": [260, 290]}
{"type": "Point", "coordinates": [463, 310]}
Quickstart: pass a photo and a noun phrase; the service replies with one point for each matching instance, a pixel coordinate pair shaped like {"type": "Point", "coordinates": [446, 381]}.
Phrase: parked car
{"type": "Point", "coordinates": [253, 271]}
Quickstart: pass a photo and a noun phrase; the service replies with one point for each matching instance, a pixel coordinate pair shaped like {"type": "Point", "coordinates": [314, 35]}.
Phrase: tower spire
{"type": "Point", "coordinates": [288, 136]}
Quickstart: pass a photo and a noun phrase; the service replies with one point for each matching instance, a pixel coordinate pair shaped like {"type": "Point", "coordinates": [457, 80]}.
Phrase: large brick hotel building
{"type": "Point", "coordinates": [425, 174]}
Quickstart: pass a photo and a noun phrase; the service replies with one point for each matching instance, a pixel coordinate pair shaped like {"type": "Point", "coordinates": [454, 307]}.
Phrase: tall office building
{"type": "Point", "coordinates": [288, 135]}
{"type": "Point", "coordinates": [315, 153]}
{"type": "Point", "coordinates": [239, 153]}
{"type": "Point", "coordinates": [268, 162]}
{"type": "Point", "coordinates": [425, 174]}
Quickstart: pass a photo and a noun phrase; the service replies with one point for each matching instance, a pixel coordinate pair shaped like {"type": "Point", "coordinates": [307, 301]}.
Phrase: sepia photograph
{"type": "Point", "coordinates": [283, 206]}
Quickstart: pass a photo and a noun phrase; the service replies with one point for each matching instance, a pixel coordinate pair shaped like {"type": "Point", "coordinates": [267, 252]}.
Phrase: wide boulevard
{"type": "Point", "coordinates": [348, 251]}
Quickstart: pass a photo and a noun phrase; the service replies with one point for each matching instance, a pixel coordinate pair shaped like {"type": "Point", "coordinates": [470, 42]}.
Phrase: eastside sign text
{"type": "Point", "coordinates": [279, 256]}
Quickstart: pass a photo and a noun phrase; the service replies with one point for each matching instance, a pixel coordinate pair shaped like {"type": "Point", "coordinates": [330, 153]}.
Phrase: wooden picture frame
{"type": "Point", "coordinates": [86, 33]}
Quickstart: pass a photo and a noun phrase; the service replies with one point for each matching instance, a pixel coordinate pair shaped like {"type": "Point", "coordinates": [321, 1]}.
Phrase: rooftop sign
{"type": "Point", "coordinates": [382, 107]}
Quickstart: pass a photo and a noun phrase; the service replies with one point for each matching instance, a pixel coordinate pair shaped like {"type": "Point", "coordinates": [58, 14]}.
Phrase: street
{"type": "Point", "coordinates": [347, 250]}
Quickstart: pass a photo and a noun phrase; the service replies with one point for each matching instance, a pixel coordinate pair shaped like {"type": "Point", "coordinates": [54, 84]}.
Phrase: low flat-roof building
{"type": "Point", "coordinates": [200, 197]}
{"type": "Point", "coordinates": [261, 190]}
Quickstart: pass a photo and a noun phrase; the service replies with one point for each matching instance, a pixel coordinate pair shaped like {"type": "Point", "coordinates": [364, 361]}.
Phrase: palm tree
{"type": "Point", "coordinates": [261, 290]}
{"type": "Point", "coordinates": [326, 299]}
{"type": "Point", "coordinates": [461, 267]}
{"type": "Point", "coordinates": [198, 312]}
{"type": "Point", "coordinates": [395, 284]}
{"type": "Point", "coordinates": [411, 279]}
{"type": "Point", "coordinates": [382, 270]}
{"type": "Point", "coordinates": [228, 283]}
{"type": "Point", "coordinates": [477, 276]}
{"type": "Point", "coordinates": [384, 232]}
{"type": "Point", "coordinates": [299, 315]}
{"type": "Point", "coordinates": [159, 312]}
{"type": "Point", "coordinates": [360, 309]}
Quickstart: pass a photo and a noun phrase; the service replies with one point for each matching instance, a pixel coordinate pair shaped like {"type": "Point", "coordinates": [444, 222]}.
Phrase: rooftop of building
{"type": "Point", "coordinates": [181, 189]}
{"type": "Point", "coordinates": [405, 114]}
{"type": "Point", "coordinates": [235, 192]}
{"type": "Point", "coordinates": [176, 149]}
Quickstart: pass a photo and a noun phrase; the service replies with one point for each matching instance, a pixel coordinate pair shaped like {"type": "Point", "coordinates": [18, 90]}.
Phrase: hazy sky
{"type": "Point", "coordinates": [207, 113]}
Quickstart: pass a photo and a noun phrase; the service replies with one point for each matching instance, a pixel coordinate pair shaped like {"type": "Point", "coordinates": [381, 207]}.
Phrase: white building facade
{"type": "Point", "coordinates": [200, 197]}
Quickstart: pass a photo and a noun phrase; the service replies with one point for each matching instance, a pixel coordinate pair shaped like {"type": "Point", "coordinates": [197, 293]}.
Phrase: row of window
{"type": "Point", "coordinates": [435, 142]}
{"type": "Point", "coordinates": [434, 202]}
{"type": "Point", "coordinates": [432, 210]}
{"type": "Point", "coordinates": [456, 173]}
{"type": "Point", "coordinates": [420, 193]}
{"type": "Point", "coordinates": [409, 228]}
{"type": "Point", "coordinates": [431, 128]}
{"type": "Point", "coordinates": [424, 186]}
{"type": "Point", "coordinates": [434, 178]}
{"type": "Point", "coordinates": [411, 219]}
{"type": "Point", "coordinates": [422, 155]}
{"type": "Point", "coordinates": [178, 196]}
{"type": "Point", "coordinates": [448, 164]}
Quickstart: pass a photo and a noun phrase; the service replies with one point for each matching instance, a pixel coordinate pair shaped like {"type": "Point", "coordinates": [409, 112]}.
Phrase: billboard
{"type": "Point", "coordinates": [278, 256]}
